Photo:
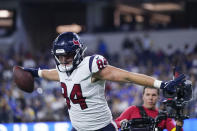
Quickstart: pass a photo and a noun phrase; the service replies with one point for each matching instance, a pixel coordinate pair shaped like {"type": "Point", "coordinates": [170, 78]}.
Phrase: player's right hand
{"type": "Point", "coordinates": [33, 71]}
{"type": "Point", "coordinates": [169, 86]}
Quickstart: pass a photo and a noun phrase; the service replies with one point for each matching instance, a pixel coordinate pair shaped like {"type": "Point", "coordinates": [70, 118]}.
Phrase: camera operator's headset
{"type": "Point", "coordinates": [146, 123]}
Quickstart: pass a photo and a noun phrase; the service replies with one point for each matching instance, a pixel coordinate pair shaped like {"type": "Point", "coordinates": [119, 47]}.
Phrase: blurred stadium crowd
{"type": "Point", "coordinates": [46, 102]}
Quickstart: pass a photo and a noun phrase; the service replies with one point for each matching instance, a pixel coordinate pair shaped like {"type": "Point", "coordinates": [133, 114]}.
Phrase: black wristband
{"type": "Point", "coordinates": [34, 72]}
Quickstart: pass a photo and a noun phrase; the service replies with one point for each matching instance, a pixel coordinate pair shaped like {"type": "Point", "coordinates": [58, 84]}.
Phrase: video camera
{"type": "Point", "coordinates": [183, 92]}
{"type": "Point", "coordinates": [178, 99]}
{"type": "Point", "coordinates": [143, 124]}
{"type": "Point", "coordinates": [138, 124]}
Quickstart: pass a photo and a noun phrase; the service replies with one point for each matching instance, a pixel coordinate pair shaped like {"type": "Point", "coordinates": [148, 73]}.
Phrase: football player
{"type": "Point", "coordinates": [83, 82]}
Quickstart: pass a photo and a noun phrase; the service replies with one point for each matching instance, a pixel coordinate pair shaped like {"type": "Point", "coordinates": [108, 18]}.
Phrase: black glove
{"type": "Point", "coordinates": [34, 72]}
{"type": "Point", "coordinates": [169, 86]}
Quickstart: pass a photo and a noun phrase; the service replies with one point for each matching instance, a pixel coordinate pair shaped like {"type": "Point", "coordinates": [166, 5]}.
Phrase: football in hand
{"type": "Point", "coordinates": [23, 79]}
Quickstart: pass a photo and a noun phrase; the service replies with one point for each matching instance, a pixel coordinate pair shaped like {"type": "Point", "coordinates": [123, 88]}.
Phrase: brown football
{"type": "Point", "coordinates": [23, 79]}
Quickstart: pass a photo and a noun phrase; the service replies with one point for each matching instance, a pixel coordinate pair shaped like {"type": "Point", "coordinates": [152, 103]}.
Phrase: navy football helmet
{"type": "Point", "coordinates": [68, 44]}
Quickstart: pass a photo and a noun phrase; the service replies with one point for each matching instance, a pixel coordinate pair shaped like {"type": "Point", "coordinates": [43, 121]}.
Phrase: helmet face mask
{"type": "Point", "coordinates": [68, 51]}
{"type": "Point", "coordinates": [65, 61]}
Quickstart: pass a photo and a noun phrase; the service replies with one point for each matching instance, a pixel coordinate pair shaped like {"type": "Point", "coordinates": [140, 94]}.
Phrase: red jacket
{"type": "Point", "coordinates": [133, 112]}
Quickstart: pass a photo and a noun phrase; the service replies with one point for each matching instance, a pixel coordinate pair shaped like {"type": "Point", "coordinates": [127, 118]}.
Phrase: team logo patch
{"type": "Point", "coordinates": [76, 42]}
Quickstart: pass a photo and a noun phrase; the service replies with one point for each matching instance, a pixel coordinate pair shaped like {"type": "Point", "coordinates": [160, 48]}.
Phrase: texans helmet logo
{"type": "Point", "coordinates": [76, 42]}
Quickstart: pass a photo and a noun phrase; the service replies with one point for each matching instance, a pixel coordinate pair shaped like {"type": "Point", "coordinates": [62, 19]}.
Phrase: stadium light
{"type": "Point", "coordinates": [5, 14]}
{"type": "Point", "coordinates": [130, 9]}
{"type": "Point", "coordinates": [161, 18]}
{"type": "Point", "coordinates": [162, 6]}
{"type": "Point", "coordinates": [6, 22]}
{"type": "Point", "coordinates": [6, 18]}
{"type": "Point", "coordinates": [139, 18]}
{"type": "Point", "coordinates": [69, 28]}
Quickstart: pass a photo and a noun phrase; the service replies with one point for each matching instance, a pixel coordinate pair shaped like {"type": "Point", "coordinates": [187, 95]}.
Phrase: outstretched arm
{"type": "Point", "coordinates": [48, 74]}
{"type": "Point", "coordinates": [51, 74]}
{"type": "Point", "coordinates": [115, 74]}
{"type": "Point", "coordinates": [118, 75]}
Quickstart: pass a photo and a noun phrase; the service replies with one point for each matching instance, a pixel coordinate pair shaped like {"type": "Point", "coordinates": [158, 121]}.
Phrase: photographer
{"type": "Point", "coordinates": [150, 98]}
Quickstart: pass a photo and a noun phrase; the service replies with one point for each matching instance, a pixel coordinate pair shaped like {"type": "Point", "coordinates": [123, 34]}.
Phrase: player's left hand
{"type": "Point", "coordinates": [169, 86]}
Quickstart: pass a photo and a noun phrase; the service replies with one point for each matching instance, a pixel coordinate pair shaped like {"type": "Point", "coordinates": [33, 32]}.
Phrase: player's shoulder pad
{"type": "Point", "coordinates": [97, 62]}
